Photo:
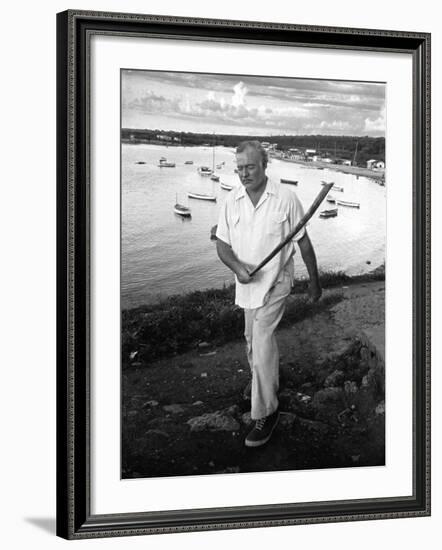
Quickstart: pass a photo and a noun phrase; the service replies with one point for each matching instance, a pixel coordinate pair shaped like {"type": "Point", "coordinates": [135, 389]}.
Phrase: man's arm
{"type": "Point", "coordinates": [309, 257]}
{"type": "Point", "coordinates": [227, 256]}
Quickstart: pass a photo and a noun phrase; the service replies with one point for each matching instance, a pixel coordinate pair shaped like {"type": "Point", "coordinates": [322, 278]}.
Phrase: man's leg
{"type": "Point", "coordinates": [265, 354]}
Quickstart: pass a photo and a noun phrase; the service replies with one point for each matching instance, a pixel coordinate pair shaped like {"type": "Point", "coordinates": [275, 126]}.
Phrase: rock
{"type": "Point", "coordinates": [350, 387]}
{"type": "Point", "coordinates": [313, 425]}
{"type": "Point", "coordinates": [197, 403]}
{"type": "Point", "coordinates": [186, 365]}
{"type": "Point", "coordinates": [211, 464]}
{"type": "Point", "coordinates": [328, 403]}
{"type": "Point", "coordinates": [334, 379]}
{"type": "Point", "coordinates": [355, 458]}
{"type": "Point", "coordinates": [233, 410]}
{"type": "Point", "coordinates": [380, 409]}
{"type": "Point", "coordinates": [246, 419]}
{"type": "Point", "coordinates": [203, 345]}
{"type": "Point", "coordinates": [133, 354]}
{"type": "Point", "coordinates": [174, 408]}
{"type": "Point", "coordinates": [204, 375]}
{"type": "Point", "coordinates": [131, 414]}
{"type": "Point", "coordinates": [306, 399]}
{"type": "Point", "coordinates": [136, 364]}
{"type": "Point", "coordinates": [209, 354]}
{"type": "Point", "coordinates": [216, 421]}
{"type": "Point", "coordinates": [157, 434]}
{"type": "Point", "coordinates": [149, 404]}
{"type": "Point", "coordinates": [287, 420]}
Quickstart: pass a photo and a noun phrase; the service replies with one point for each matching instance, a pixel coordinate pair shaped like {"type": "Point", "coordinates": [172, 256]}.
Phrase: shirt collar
{"type": "Point", "coordinates": [271, 189]}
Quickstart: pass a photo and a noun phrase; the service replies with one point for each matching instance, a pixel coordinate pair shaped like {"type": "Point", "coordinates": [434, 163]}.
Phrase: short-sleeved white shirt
{"type": "Point", "coordinates": [253, 232]}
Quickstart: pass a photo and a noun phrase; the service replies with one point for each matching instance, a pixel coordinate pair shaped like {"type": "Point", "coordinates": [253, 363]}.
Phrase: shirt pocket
{"type": "Point", "coordinates": [278, 224]}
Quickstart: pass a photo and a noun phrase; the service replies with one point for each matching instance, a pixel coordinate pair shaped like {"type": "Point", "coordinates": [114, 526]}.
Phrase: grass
{"type": "Point", "coordinates": [178, 323]}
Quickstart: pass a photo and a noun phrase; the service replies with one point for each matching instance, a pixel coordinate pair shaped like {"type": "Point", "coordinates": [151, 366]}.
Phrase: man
{"type": "Point", "coordinates": [254, 219]}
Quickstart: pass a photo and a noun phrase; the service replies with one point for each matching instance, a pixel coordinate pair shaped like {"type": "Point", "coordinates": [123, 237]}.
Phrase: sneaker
{"type": "Point", "coordinates": [263, 430]}
{"type": "Point", "coordinates": [247, 391]}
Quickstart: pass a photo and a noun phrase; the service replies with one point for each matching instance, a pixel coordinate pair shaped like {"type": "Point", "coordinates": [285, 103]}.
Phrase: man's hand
{"type": "Point", "coordinates": [243, 274]}
{"type": "Point", "coordinates": [314, 291]}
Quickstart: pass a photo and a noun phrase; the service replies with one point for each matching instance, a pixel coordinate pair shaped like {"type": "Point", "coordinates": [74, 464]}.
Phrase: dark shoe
{"type": "Point", "coordinates": [247, 392]}
{"type": "Point", "coordinates": [263, 430]}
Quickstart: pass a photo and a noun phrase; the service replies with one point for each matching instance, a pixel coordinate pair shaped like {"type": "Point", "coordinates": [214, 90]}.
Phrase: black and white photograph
{"type": "Point", "coordinates": [253, 260]}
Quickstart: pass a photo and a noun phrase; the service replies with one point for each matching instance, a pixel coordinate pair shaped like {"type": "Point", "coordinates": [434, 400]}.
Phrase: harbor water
{"type": "Point", "coordinates": [165, 254]}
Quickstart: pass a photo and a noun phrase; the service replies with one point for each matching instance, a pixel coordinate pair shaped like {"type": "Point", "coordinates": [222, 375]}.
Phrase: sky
{"type": "Point", "coordinates": [238, 104]}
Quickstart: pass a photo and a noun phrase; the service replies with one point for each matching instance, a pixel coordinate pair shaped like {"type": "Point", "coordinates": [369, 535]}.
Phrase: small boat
{"type": "Point", "coordinates": [291, 182]}
{"type": "Point", "coordinates": [335, 187]}
{"type": "Point", "coordinates": [202, 197]}
{"type": "Point", "coordinates": [140, 162]}
{"type": "Point", "coordinates": [348, 203]}
{"type": "Point", "coordinates": [204, 171]}
{"type": "Point", "coordinates": [163, 164]}
{"type": "Point", "coordinates": [213, 177]}
{"type": "Point", "coordinates": [163, 159]}
{"type": "Point", "coordinates": [189, 162]}
{"type": "Point", "coordinates": [226, 186]}
{"type": "Point", "coordinates": [332, 213]}
{"type": "Point", "coordinates": [182, 210]}
{"type": "Point", "coordinates": [331, 200]}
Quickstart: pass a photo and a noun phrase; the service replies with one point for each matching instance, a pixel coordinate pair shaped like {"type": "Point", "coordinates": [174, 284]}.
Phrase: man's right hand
{"type": "Point", "coordinates": [243, 275]}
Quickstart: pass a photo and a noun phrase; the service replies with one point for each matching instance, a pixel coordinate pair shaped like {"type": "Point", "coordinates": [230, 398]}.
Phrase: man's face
{"type": "Point", "coordinates": [250, 169]}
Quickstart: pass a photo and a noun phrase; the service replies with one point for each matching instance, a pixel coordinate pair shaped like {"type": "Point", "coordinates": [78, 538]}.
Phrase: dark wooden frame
{"type": "Point", "coordinates": [74, 519]}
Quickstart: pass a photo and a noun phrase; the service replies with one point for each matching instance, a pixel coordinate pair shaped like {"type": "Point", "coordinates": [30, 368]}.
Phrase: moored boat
{"type": "Point", "coordinates": [348, 203]}
{"type": "Point", "coordinates": [204, 171]}
{"type": "Point", "coordinates": [182, 210]}
{"type": "Point", "coordinates": [291, 182]}
{"type": "Point", "coordinates": [331, 200]}
{"type": "Point", "coordinates": [202, 196]}
{"type": "Point", "coordinates": [166, 165]}
{"type": "Point", "coordinates": [226, 186]}
{"type": "Point", "coordinates": [335, 187]}
{"type": "Point", "coordinates": [214, 177]}
{"type": "Point", "coordinates": [332, 213]}
{"type": "Point", "coordinates": [189, 162]}
{"type": "Point", "coordinates": [140, 162]}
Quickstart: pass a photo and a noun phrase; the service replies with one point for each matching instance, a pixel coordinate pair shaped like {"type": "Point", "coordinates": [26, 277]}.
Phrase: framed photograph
{"type": "Point", "coordinates": [243, 274]}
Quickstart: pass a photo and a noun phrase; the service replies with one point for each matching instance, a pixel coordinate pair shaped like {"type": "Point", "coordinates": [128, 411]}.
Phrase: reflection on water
{"type": "Point", "coordinates": [164, 254]}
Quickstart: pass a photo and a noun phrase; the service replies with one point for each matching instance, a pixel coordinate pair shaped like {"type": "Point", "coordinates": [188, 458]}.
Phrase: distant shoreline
{"type": "Point", "coordinates": [355, 170]}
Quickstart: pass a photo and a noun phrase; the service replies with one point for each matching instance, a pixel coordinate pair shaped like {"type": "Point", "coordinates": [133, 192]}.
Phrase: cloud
{"type": "Point", "coordinates": [376, 125]}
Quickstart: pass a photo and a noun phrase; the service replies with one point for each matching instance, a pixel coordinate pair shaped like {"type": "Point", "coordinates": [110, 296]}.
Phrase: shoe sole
{"type": "Point", "coordinates": [262, 441]}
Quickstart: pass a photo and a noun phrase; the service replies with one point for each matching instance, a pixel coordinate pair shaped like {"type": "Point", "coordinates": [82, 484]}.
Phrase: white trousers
{"type": "Point", "coordinates": [262, 347]}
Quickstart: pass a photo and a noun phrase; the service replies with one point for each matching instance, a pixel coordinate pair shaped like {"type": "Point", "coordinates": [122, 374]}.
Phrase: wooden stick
{"type": "Point", "coordinates": [323, 193]}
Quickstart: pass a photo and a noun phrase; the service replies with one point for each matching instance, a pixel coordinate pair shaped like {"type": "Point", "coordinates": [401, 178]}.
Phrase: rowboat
{"type": "Point", "coordinates": [291, 182]}
{"type": "Point", "coordinates": [348, 203]}
{"type": "Point", "coordinates": [202, 197]}
{"type": "Point", "coordinates": [140, 162]}
{"type": "Point", "coordinates": [164, 164]}
{"type": "Point", "coordinates": [189, 162]}
{"type": "Point", "coordinates": [226, 186]}
{"type": "Point", "coordinates": [332, 213]}
{"type": "Point", "coordinates": [182, 210]}
{"type": "Point", "coordinates": [204, 171]}
{"type": "Point", "coordinates": [335, 187]}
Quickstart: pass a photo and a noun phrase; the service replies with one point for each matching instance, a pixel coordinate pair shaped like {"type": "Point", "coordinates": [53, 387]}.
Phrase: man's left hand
{"type": "Point", "coordinates": [315, 291]}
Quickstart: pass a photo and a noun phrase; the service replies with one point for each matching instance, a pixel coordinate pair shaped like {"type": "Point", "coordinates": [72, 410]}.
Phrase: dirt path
{"type": "Point", "coordinates": [185, 415]}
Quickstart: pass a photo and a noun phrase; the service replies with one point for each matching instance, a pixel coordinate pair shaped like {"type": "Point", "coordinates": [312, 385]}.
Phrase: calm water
{"type": "Point", "coordinates": [164, 254]}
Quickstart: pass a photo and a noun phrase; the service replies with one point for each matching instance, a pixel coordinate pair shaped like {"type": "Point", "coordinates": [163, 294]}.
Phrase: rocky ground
{"type": "Point", "coordinates": [185, 415]}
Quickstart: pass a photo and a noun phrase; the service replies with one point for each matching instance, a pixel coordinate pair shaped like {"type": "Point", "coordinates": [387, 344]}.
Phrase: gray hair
{"type": "Point", "coordinates": [254, 144]}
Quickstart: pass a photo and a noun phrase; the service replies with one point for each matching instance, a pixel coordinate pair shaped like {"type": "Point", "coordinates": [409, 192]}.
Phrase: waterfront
{"type": "Point", "coordinates": [164, 254]}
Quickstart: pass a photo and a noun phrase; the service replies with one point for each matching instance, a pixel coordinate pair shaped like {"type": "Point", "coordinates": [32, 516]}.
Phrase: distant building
{"type": "Point", "coordinates": [374, 164]}
{"type": "Point", "coordinates": [163, 137]}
